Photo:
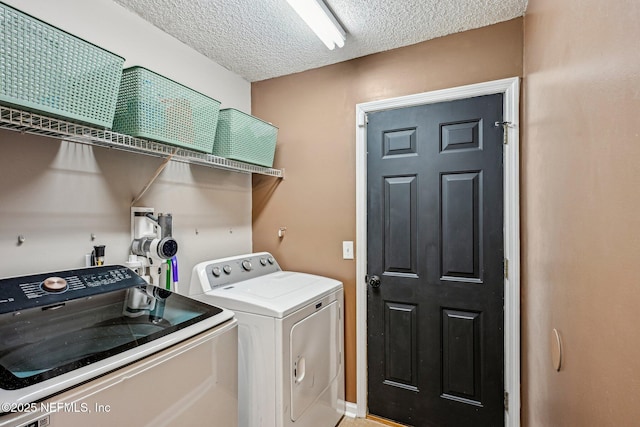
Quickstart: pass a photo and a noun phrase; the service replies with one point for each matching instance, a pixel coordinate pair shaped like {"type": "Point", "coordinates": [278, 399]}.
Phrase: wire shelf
{"type": "Point", "coordinates": [23, 121]}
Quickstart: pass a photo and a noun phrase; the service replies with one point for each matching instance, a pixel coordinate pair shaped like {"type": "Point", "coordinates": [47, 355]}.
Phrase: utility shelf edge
{"type": "Point", "coordinates": [24, 121]}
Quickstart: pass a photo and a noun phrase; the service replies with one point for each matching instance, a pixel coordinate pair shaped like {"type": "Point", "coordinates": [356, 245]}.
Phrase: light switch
{"type": "Point", "coordinates": [347, 250]}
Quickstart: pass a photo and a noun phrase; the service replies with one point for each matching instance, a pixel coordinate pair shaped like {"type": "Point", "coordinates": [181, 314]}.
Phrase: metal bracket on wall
{"type": "Point", "coordinates": [154, 177]}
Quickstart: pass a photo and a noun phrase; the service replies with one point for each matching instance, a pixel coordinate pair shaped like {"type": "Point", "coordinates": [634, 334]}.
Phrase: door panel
{"type": "Point", "coordinates": [460, 136]}
{"type": "Point", "coordinates": [400, 142]}
{"type": "Point", "coordinates": [461, 355]}
{"type": "Point", "coordinates": [401, 346]}
{"type": "Point", "coordinates": [461, 232]}
{"type": "Point", "coordinates": [400, 225]}
{"type": "Point", "coordinates": [435, 237]}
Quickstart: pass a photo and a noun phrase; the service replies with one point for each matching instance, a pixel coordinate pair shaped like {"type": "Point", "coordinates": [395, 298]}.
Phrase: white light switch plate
{"type": "Point", "coordinates": [347, 250]}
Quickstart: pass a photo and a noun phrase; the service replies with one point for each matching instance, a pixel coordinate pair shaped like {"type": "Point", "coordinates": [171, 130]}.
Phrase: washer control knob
{"type": "Point", "coordinates": [216, 271]}
{"type": "Point", "coordinates": [271, 260]}
{"type": "Point", "coordinates": [246, 265]}
{"type": "Point", "coordinates": [263, 261]}
{"type": "Point", "coordinates": [227, 269]}
{"type": "Point", "coordinates": [54, 284]}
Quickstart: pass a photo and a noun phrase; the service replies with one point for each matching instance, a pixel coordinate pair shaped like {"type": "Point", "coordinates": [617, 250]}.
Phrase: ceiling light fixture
{"type": "Point", "coordinates": [320, 19]}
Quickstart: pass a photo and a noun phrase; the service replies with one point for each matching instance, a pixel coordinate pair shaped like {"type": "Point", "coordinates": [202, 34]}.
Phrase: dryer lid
{"type": "Point", "coordinates": [275, 295]}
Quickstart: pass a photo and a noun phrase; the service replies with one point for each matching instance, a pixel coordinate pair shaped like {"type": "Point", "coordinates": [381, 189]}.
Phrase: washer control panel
{"type": "Point", "coordinates": [19, 293]}
{"type": "Point", "coordinates": [231, 270]}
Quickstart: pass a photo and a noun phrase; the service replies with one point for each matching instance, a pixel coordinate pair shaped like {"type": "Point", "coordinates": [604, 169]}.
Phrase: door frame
{"type": "Point", "coordinates": [510, 87]}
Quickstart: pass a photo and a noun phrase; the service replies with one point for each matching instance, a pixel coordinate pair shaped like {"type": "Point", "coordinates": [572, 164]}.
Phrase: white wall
{"type": "Point", "coordinates": [57, 193]}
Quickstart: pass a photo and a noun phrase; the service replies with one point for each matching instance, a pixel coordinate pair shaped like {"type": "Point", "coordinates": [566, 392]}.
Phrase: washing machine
{"type": "Point", "coordinates": [290, 339]}
{"type": "Point", "coordinates": [98, 346]}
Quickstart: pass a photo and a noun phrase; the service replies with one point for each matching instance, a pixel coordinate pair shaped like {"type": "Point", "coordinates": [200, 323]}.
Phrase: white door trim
{"type": "Point", "coordinates": [511, 89]}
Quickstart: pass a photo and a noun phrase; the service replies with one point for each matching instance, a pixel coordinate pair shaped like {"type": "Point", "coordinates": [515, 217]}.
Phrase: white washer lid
{"type": "Point", "coordinates": [275, 295]}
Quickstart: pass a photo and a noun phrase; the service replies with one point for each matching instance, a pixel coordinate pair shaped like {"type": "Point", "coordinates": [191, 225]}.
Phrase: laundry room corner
{"type": "Point", "coordinates": [316, 111]}
{"type": "Point", "coordinates": [86, 191]}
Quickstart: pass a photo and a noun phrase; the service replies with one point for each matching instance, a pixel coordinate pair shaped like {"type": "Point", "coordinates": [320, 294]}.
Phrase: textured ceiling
{"type": "Point", "coordinates": [260, 39]}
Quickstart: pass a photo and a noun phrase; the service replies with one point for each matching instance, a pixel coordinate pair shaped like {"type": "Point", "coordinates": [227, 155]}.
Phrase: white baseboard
{"type": "Point", "coordinates": [351, 410]}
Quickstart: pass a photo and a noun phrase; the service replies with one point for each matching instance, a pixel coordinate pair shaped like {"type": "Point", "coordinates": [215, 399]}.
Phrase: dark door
{"type": "Point", "coordinates": [435, 241]}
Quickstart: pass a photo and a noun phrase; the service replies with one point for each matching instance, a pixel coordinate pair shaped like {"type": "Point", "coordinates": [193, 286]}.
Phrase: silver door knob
{"type": "Point", "coordinates": [374, 281]}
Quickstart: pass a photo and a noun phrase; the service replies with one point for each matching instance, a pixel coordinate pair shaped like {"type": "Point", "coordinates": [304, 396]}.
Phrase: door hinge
{"type": "Point", "coordinates": [363, 120]}
{"type": "Point", "coordinates": [506, 268]}
{"type": "Point", "coordinates": [506, 401]}
{"type": "Point", "coordinates": [505, 130]}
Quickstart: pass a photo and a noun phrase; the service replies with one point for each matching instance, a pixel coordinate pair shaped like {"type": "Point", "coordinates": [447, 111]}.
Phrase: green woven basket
{"type": "Point", "coordinates": [46, 70]}
{"type": "Point", "coordinates": [245, 138]}
{"type": "Point", "coordinates": [154, 107]}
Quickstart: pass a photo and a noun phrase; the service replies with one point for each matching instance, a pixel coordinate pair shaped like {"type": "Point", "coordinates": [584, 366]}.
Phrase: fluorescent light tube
{"type": "Point", "coordinates": [319, 18]}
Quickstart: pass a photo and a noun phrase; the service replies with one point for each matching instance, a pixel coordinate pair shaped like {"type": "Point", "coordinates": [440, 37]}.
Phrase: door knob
{"type": "Point", "coordinates": [374, 281]}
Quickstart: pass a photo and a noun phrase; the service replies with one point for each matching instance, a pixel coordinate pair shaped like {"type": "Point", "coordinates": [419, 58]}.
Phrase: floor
{"type": "Point", "coordinates": [359, 422]}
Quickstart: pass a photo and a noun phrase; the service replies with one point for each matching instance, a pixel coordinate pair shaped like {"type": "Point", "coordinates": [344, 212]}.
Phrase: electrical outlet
{"type": "Point", "coordinates": [347, 250]}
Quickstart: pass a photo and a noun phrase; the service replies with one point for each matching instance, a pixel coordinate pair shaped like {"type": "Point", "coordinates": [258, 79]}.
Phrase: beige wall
{"type": "Point", "coordinates": [580, 212]}
{"type": "Point", "coordinates": [315, 111]}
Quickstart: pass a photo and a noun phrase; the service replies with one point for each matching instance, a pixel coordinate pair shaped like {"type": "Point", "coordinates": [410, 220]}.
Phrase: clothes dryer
{"type": "Point", "coordinates": [290, 339]}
